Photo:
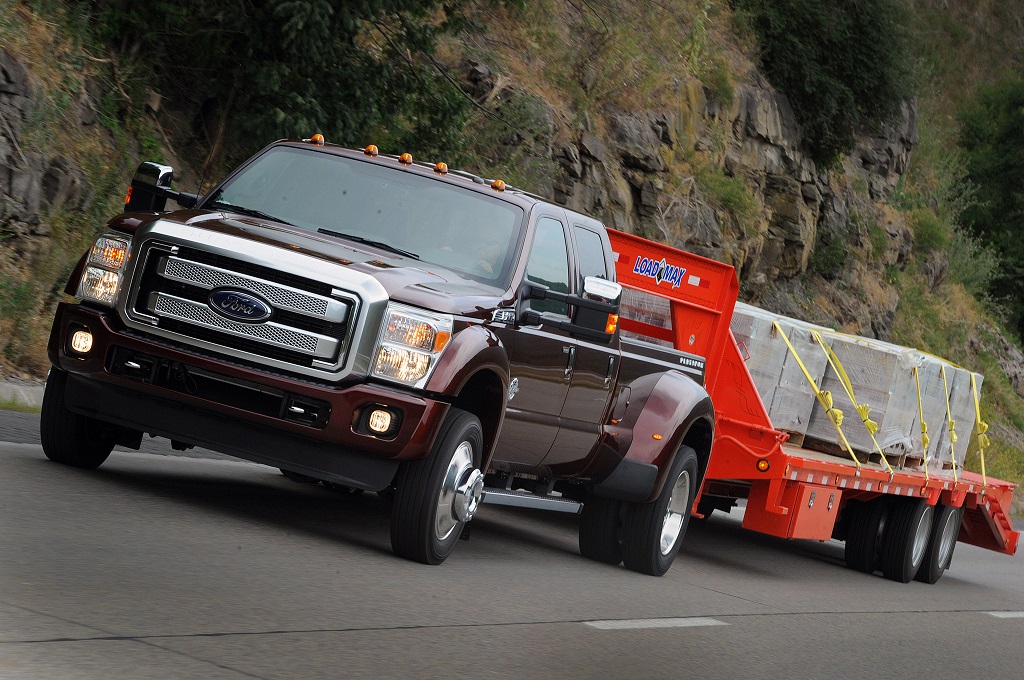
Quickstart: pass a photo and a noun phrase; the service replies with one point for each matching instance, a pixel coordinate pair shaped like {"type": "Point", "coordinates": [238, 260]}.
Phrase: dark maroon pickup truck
{"type": "Point", "coordinates": [389, 326]}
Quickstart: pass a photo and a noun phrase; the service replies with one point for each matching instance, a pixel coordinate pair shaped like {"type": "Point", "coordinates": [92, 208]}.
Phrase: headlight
{"type": "Point", "coordinates": [409, 343]}
{"type": "Point", "coordinates": [104, 269]}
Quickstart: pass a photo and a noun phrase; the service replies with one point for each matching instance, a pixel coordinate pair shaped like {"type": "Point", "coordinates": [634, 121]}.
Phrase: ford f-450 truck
{"type": "Point", "coordinates": [388, 326]}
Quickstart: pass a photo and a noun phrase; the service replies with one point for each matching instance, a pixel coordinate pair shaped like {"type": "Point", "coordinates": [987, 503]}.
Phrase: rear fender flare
{"type": "Point", "coordinates": [666, 414]}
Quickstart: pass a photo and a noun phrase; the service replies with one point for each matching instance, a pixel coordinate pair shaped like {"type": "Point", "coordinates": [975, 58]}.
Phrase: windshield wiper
{"type": "Point", "coordinates": [251, 212]}
{"type": "Point", "coordinates": [369, 242]}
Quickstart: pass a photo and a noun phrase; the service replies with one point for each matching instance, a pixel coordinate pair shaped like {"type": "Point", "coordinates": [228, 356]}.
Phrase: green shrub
{"type": "Point", "coordinates": [930, 232]}
{"type": "Point", "coordinates": [972, 264]}
{"type": "Point", "coordinates": [842, 65]}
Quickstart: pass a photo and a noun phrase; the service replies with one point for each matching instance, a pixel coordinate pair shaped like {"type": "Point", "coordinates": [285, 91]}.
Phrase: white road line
{"type": "Point", "coordinates": [628, 624]}
{"type": "Point", "coordinates": [1007, 615]}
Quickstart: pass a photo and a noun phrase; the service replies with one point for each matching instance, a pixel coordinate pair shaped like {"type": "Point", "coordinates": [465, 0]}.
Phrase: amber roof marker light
{"type": "Point", "coordinates": [317, 139]}
{"type": "Point", "coordinates": [405, 159]}
{"type": "Point", "coordinates": [498, 185]}
{"type": "Point", "coordinates": [371, 150]}
{"type": "Point", "coordinates": [441, 168]}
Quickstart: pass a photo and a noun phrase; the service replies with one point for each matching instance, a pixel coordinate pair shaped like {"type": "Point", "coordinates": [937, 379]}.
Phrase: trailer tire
{"type": "Point", "coordinates": [437, 495]}
{"type": "Point", "coordinates": [905, 539]}
{"type": "Point", "coordinates": [940, 548]}
{"type": "Point", "coordinates": [68, 437]}
{"type": "Point", "coordinates": [601, 530]}
{"type": "Point", "coordinates": [653, 532]}
{"type": "Point", "coordinates": [866, 525]}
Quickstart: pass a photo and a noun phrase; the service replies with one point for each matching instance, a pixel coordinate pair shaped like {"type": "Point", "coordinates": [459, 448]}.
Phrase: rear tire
{"type": "Point", "coordinates": [905, 539]}
{"type": "Point", "coordinates": [941, 545]}
{"type": "Point", "coordinates": [654, 531]}
{"type": "Point", "coordinates": [866, 525]}
{"type": "Point", "coordinates": [601, 530]}
{"type": "Point", "coordinates": [67, 437]}
{"type": "Point", "coordinates": [439, 494]}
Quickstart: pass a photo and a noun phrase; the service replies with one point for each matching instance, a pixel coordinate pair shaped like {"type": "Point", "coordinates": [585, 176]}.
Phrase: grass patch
{"type": "Point", "coordinates": [17, 406]}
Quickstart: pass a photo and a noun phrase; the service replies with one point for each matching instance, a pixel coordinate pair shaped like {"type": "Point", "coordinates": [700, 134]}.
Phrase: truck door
{"type": "Point", "coordinates": [540, 357]}
{"type": "Point", "coordinates": [594, 369]}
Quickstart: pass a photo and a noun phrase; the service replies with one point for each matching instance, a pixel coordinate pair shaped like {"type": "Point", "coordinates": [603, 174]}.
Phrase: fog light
{"type": "Point", "coordinates": [81, 342]}
{"type": "Point", "coordinates": [379, 421]}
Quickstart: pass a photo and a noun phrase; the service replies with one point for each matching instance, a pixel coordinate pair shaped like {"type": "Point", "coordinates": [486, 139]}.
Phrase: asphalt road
{"type": "Point", "coordinates": [169, 567]}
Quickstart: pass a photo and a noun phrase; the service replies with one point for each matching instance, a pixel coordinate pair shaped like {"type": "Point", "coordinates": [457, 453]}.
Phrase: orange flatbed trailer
{"type": "Point", "coordinates": [790, 491]}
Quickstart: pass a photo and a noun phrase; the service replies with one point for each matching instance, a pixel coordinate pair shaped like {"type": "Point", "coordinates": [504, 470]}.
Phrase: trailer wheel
{"type": "Point", "coordinates": [654, 531]}
{"type": "Point", "coordinates": [438, 494]}
{"type": "Point", "coordinates": [941, 545]}
{"type": "Point", "coordinates": [905, 539]}
{"type": "Point", "coordinates": [866, 525]}
{"type": "Point", "coordinates": [600, 530]}
{"type": "Point", "coordinates": [67, 437]}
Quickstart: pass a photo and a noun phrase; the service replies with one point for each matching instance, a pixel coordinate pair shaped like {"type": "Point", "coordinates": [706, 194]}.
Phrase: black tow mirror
{"type": "Point", "coordinates": [151, 187]}
{"type": "Point", "coordinates": [595, 314]}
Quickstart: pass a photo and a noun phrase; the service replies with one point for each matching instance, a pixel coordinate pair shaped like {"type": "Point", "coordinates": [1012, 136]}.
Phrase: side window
{"type": "Point", "coordinates": [591, 254]}
{"type": "Point", "coordinates": [549, 264]}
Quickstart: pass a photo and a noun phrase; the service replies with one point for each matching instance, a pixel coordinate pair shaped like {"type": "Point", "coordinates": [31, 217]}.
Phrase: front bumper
{"type": "Point", "coordinates": [147, 385]}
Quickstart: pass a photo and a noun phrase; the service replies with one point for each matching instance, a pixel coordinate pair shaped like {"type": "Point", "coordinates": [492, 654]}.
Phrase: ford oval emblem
{"type": "Point", "coordinates": [239, 306]}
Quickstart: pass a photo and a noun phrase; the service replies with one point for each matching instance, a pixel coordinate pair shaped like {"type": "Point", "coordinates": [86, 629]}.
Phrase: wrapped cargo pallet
{"type": "Point", "coordinates": [881, 376]}
{"type": "Point", "coordinates": [934, 394]}
{"type": "Point", "coordinates": [776, 372]}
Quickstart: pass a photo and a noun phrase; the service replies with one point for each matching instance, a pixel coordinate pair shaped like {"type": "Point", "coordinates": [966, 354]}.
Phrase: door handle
{"type": "Point", "coordinates": [611, 372]}
{"type": "Point", "coordinates": [571, 351]}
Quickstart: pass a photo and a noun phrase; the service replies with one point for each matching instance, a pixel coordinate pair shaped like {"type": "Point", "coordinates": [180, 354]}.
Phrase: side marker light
{"type": "Point", "coordinates": [763, 465]}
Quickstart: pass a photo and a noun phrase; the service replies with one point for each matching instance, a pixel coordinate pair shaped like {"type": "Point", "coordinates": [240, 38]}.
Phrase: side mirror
{"type": "Point", "coordinates": [150, 188]}
{"type": "Point", "coordinates": [595, 313]}
{"type": "Point", "coordinates": [599, 309]}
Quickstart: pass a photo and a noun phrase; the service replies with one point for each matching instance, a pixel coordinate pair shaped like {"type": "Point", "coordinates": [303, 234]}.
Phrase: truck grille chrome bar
{"type": "Point", "coordinates": [272, 333]}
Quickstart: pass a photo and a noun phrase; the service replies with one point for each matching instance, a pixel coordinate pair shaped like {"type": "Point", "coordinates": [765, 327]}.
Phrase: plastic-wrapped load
{"type": "Point", "coordinates": [881, 376]}
{"type": "Point", "coordinates": [783, 388]}
{"type": "Point", "coordinates": [961, 408]}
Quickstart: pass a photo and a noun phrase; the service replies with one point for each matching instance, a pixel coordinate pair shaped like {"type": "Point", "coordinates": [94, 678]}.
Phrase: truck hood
{"type": "Point", "coordinates": [405, 279]}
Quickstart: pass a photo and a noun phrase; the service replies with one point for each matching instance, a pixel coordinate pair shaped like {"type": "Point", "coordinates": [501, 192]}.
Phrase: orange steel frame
{"type": "Point", "coordinates": [790, 492]}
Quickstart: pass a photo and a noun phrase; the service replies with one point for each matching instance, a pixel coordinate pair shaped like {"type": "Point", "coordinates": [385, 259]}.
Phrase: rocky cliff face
{"type": "Point", "coordinates": [630, 169]}
{"type": "Point", "coordinates": [31, 184]}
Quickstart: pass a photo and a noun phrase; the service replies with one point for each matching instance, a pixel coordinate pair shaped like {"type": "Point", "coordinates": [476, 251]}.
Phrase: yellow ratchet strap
{"type": "Point", "coordinates": [863, 410]}
{"type": "Point", "coordinates": [824, 396]}
{"type": "Point", "coordinates": [982, 426]}
{"type": "Point", "coordinates": [950, 423]}
{"type": "Point", "coordinates": [924, 426]}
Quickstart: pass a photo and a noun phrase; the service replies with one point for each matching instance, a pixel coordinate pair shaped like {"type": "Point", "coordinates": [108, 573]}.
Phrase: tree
{"type": "Point", "coordinates": [266, 69]}
{"type": "Point", "coordinates": [992, 136]}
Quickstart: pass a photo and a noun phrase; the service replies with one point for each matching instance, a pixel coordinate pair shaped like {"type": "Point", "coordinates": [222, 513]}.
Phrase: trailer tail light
{"type": "Point", "coordinates": [763, 465]}
{"type": "Point", "coordinates": [612, 325]}
{"type": "Point", "coordinates": [128, 197]}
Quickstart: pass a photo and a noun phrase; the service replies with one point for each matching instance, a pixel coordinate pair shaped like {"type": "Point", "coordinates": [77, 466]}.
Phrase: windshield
{"type": "Point", "coordinates": [459, 229]}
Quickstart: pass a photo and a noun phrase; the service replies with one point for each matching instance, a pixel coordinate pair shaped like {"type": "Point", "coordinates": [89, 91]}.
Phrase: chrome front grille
{"type": "Point", "coordinates": [208, 277]}
{"type": "Point", "coordinates": [308, 330]}
{"type": "Point", "coordinates": [272, 333]}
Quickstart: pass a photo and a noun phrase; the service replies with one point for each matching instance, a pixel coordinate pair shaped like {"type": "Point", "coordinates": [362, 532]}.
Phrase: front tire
{"type": "Point", "coordinates": [67, 437]}
{"type": "Point", "coordinates": [654, 531]}
{"type": "Point", "coordinates": [439, 494]}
